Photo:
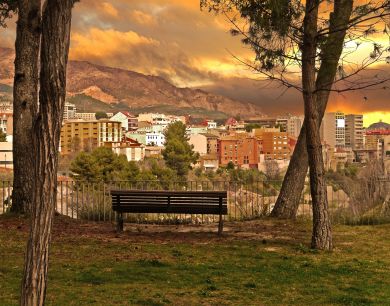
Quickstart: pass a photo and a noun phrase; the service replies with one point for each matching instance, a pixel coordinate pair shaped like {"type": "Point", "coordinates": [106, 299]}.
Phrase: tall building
{"type": "Point", "coordinates": [354, 131]}
{"type": "Point", "coordinates": [294, 125]}
{"type": "Point", "coordinates": [333, 129]}
{"type": "Point", "coordinates": [79, 135]}
{"type": "Point", "coordinates": [69, 111]}
{"type": "Point", "coordinates": [275, 144]}
{"type": "Point", "coordinates": [340, 130]}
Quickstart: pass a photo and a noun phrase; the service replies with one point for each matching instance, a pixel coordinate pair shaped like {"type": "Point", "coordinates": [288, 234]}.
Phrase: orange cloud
{"type": "Point", "coordinates": [98, 43]}
{"type": "Point", "coordinates": [143, 18]}
{"type": "Point", "coordinates": [109, 9]}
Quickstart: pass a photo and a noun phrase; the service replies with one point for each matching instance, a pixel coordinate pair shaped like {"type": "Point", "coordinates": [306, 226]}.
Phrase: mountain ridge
{"type": "Point", "coordinates": [119, 87]}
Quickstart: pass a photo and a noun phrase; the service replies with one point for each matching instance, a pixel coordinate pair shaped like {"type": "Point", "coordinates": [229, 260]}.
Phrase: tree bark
{"type": "Point", "coordinates": [287, 204]}
{"type": "Point", "coordinates": [322, 233]}
{"type": "Point", "coordinates": [28, 33]}
{"type": "Point", "coordinates": [56, 24]}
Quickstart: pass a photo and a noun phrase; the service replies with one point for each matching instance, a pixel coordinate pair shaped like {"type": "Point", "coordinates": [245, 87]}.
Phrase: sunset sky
{"type": "Point", "coordinates": [175, 40]}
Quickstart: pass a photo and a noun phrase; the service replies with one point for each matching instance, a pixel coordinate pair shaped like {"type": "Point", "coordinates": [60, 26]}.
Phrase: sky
{"type": "Point", "coordinates": [190, 48]}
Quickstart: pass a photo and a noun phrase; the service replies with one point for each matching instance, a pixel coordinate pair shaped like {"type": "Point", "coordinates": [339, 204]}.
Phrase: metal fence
{"type": "Point", "coordinates": [249, 200]}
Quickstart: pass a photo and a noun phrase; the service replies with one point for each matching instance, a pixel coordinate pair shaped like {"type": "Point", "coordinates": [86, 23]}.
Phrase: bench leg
{"type": "Point", "coordinates": [220, 225]}
{"type": "Point", "coordinates": [119, 225]}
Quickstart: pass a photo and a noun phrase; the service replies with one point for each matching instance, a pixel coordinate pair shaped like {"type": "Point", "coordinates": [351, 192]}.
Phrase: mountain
{"type": "Point", "coordinates": [93, 87]}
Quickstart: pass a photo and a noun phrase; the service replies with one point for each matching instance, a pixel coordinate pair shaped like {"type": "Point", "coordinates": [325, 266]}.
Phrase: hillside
{"type": "Point", "coordinates": [92, 86]}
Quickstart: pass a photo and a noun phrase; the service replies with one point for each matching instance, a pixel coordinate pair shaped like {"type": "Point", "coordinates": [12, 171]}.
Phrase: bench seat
{"type": "Point", "coordinates": [180, 202]}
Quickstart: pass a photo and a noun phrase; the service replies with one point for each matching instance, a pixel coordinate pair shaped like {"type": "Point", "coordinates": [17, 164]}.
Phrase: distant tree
{"type": "Point", "coordinates": [89, 145]}
{"type": "Point", "coordinates": [250, 126]}
{"type": "Point", "coordinates": [198, 172]}
{"type": "Point", "coordinates": [230, 166]}
{"type": "Point", "coordinates": [101, 115]}
{"type": "Point", "coordinates": [84, 168]}
{"type": "Point", "coordinates": [3, 136]}
{"type": "Point", "coordinates": [281, 127]}
{"type": "Point", "coordinates": [178, 153]}
{"type": "Point", "coordinates": [75, 145]}
{"type": "Point", "coordinates": [102, 164]}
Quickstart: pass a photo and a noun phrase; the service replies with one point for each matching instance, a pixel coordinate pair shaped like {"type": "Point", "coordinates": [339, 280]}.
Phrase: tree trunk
{"type": "Point", "coordinates": [322, 233]}
{"type": "Point", "coordinates": [25, 104]}
{"type": "Point", "coordinates": [287, 204]}
{"type": "Point", "coordinates": [46, 136]}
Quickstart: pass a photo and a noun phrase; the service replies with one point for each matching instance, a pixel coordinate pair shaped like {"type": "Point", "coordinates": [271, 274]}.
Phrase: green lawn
{"type": "Point", "coordinates": [255, 263]}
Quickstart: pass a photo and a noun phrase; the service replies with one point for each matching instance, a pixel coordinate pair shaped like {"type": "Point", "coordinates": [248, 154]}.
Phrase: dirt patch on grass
{"type": "Point", "coordinates": [265, 230]}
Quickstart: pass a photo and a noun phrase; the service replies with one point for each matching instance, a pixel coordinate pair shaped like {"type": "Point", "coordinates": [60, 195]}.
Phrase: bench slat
{"type": "Point", "coordinates": [184, 200]}
{"type": "Point", "coordinates": [176, 209]}
{"type": "Point", "coordinates": [170, 193]}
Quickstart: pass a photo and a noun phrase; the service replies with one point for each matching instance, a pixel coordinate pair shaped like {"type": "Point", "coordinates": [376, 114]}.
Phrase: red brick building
{"type": "Point", "coordinates": [241, 149]}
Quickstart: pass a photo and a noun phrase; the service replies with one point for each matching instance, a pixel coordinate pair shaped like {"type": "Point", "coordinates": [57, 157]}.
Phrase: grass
{"type": "Point", "coordinates": [256, 263]}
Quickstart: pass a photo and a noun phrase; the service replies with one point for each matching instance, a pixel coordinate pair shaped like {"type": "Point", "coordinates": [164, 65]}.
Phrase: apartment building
{"type": "Point", "coordinates": [275, 144]}
{"type": "Point", "coordinates": [69, 111]}
{"type": "Point", "coordinates": [204, 143]}
{"type": "Point", "coordinates": [128, 120]}
{"type": "Point", "coordinates": [241, 149]}
{"type": "Point", "coordinates": [85, 116]}
{"type": "Point", "coordinates": [132, 149]}
{"type": "Point", "coordinates": [155, 139]}
{"type": "Point", "coordinates": [79, 135]}
{"type": "Point", "coordinates": [333, 129]}
{"type": "Point", "coordinates": [294, 125]}
{"type": "Point", "coordinates": [354, 131]}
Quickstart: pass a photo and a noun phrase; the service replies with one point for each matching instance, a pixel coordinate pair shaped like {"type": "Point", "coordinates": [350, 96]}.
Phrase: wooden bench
{"type": "Point", "coordinates": [167, 202]}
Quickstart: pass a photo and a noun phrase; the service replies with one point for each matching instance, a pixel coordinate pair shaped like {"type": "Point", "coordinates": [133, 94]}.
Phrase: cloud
{"type": "Point", "coordinates": [109, 9]}
{"type": "Point", "coordinates": [138, 53]}
{"type": "Point", "coordinates": [97, 43]}
{"type": "Point", "coordinates": [143, 18]}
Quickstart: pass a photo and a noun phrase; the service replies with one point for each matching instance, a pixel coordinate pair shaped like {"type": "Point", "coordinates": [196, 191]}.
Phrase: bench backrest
{"type": "Point", "coordinates": [189, 202]}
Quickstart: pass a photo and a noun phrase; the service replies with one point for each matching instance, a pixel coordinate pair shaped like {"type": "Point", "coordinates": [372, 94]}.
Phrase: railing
{"type": "Point", "coordinates": [92, 202]}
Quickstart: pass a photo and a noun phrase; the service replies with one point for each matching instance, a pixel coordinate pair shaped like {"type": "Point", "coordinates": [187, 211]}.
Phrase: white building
{"type": "Point", "coordinates": [155, 139]}
{"type": "Point", "coordinates": [333, 129]}
{"type": "Point", "coordinates": [160, 119]}
{"type": "Point", "coordinates": [128, 120]}
{"type": "Point", "coordinates": [211, 124]}
{"type": "Point", "coordinates": [85, 116]}
{"type": "Point", "coordinates": [69, 111]}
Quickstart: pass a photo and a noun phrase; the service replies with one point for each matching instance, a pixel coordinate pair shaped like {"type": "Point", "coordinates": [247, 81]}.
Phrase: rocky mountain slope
{"type": "Point", "coordinates": [119, 88]}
